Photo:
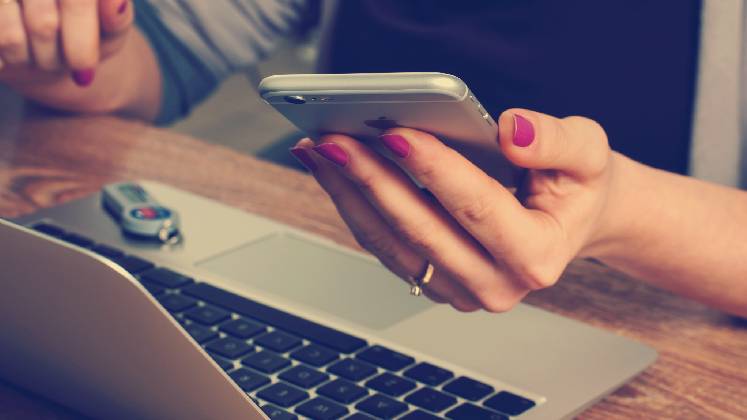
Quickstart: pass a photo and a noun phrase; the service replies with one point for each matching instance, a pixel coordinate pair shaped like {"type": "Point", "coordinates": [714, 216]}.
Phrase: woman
{"type": "Point", "coordinates": [487, 247]}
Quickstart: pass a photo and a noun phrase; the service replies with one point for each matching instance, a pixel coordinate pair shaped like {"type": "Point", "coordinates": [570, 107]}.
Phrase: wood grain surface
{"type": "Point", "coordinates": [702, 368]}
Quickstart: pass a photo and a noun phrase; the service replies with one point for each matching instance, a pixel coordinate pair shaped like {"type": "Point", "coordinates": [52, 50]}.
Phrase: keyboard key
{"type": "Point", "coordinates": [266, 361]}
{"type": "Point", "coordinates": [275, 413]}
{"type": "Point", "coordinates": [509, 403]}
{"type": "Point", "coordinates": [383, 407]}
{"type": "Point", "coordinates": [153, 288]}
{"type": "Point", "coordinates": [312, 331]}
{"type": "Point", "coordinates": [229, 348]}
{"type": "Point", "coordinates": [321, 409]}
{"type": "Point", "coordinates": [249, 380]}
{"type": "Point", "coordinates": [283, 394]}
{"type": "Point", "coordinates": [419, 415]}
{"type": "Point", "coordinates": [386, 358]}
{"type": "Point", "coordinates": [207, 315]}
{"type": "Point", "coordinates": [391, 384]}
{"type": "Point", "coordinates": [352, 369]}
{"type": "Point", "coordinates": [468, 389]}
{"type": "Point", "coordinates": [428, 374]}
{"type": "Point", "coordinates": [49, 229]}
{"type": "Point", "coordinates": [359, 416]}
{"type": "Point", "coordinates": [342, 391]}
{"type": "Point", "coordinates": [223, 363]}
{"type": "Point", "coordinates": [166, 278]}
{"type": "Point", "coordinates": [242, 328]}
{"type": "Point", "coordinates": [200, 334]}
{"type": "Point", "coordinates": [431, 400]}
{"type": "Point", "coordinates": [473, 412]}
{"type": "Point", "coordinates": [107, 251]}
{"type": "Point", "coordinates": [133, 264]}
{"type": "Point", "coordinates": [303, 376]}
{"type": "Point", "coordinates": [176, 303]}
{"type": "Point", "coordinates": [278, 341]}
{"type": "Point", "coordinates": [315, 355]}
{"type": "Point", "coordinates": [78, 240]}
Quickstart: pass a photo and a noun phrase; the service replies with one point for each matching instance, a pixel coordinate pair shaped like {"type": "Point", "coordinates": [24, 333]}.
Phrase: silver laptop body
{"type": "Point", "coordinates": [76, 327]}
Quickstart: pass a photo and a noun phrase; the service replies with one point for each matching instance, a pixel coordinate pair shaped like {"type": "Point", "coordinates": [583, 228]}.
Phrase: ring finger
{"type": "Point", "coordinates": [421, 223]}
{"type": "Point", "coordinates": [42, 20]}
{"type": "Point", "coordinates": [375, 235]}
{"type": "Point", "coordinates": [13, 41]}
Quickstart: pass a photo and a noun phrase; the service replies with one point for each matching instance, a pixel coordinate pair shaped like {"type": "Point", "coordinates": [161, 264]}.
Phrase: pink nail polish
{"type": "Point", "coordinates": [523, 131]}
{"type": "Point", "coordinates": [84, 78]}
{"type": "Point", "coordinates": [303, 156]}
{"type": "Point", "coordinates": [397, 144]}
{"type": "Point", "coordinates": [333, 153]}
{"type": "Point", "coordinates": [123, 7]}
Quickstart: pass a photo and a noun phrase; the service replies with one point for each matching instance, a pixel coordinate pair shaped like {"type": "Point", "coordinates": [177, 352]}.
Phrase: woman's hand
{"type": "Point", "coordinates": [44, 40]}
{"type": "Point", "coordinates": [489, 247]}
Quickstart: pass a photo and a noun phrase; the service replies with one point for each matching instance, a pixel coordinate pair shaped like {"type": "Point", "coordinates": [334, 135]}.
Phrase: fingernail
{"type": "Point", "coordinates": [397, 144]}
{"type": "Point", "coordinates": [123, 7]}
{"type": "Point", "coordinates": [523, 131]}
{"type": "Point", "coordinates": [84, 78]}
{"type": "Point", "coordinates": [333, 153]}
{"type": "Point", "coordinates": [303, 156]}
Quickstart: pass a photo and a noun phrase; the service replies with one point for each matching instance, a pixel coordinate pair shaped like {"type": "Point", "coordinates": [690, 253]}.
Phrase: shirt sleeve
{"type": "Point", "coordinates": [198, 43]}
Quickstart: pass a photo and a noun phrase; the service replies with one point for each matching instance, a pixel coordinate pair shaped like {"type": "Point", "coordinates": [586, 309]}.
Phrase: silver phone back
{"type": "Point", "coordinates": [364, 104]}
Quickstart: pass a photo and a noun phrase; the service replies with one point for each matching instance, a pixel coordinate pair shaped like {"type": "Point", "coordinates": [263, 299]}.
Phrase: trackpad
{"type": "Point", "coordinates": [347, 286]}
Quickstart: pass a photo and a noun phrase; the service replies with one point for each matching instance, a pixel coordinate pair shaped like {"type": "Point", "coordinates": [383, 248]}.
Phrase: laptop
{"type": "Point", "coordinates": [248, 318]}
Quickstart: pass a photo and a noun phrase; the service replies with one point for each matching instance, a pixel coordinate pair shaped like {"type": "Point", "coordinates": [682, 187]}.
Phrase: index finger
{"type": "Point", "coordinates": [80, 34]}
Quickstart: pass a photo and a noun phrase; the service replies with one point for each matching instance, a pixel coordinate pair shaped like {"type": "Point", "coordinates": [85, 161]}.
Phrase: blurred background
{"type": "Point", "coordinates": [236, 117]}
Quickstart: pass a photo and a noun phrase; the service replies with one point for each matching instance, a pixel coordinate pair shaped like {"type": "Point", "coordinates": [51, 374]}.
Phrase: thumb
{"type": "Point", "coordinates": [575, 145]}
{"type": "Point", "coordinates": [116, 17]}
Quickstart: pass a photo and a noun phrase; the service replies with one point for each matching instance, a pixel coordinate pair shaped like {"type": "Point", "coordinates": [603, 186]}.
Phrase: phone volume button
{"type": "Point", "coordinates": [487, 119]}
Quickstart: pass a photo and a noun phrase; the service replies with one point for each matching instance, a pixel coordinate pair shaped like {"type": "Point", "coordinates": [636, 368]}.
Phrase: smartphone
{"type": "Point", "coordinates": [363, 105]}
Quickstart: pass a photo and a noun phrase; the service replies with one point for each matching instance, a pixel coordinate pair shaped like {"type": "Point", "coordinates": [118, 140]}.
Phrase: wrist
{"type": "Point", "coordinates": [620, 214]}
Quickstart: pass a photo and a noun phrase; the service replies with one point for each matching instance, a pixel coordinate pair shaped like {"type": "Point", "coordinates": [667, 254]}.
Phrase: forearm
{"type": "Point", "coordinates": [678, 233]}
{"type": "Point", "coordinates": [128, 83]}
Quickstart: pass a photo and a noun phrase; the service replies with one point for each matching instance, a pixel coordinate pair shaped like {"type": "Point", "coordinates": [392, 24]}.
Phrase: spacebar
{"type": "Point", "coordinates": [312, 331]}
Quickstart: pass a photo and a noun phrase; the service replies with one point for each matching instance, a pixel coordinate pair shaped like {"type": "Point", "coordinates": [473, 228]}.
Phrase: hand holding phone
{"type": "Point", "coordinates": [489, 246]}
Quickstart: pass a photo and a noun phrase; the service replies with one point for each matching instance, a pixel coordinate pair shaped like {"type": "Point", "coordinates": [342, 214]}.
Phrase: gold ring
{"type": "Point", "coordinates": [417, 284]}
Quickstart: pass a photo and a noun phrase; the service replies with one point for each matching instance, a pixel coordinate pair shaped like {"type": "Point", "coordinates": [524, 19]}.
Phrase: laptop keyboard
{"type": "Point", "coordinates": [295, 368]}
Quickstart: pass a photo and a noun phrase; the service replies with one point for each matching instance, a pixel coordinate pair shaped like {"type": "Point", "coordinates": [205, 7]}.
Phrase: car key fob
{"type": "Point", "coordinates": [139, 214]}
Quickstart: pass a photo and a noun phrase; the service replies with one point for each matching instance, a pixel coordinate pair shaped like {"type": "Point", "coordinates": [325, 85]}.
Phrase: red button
{"type": "Point", "coordinates": [148, 213]}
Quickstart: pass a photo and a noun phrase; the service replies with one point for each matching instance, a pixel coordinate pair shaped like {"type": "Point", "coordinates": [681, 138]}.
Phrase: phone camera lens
{"type": "Point", "coordinates": [298, 100]}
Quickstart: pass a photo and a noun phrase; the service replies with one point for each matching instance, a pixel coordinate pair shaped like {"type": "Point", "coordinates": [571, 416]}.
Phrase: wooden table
{"type": "Point", "coordinates": [44, 161]}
